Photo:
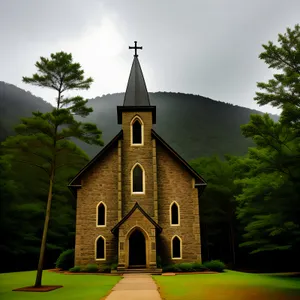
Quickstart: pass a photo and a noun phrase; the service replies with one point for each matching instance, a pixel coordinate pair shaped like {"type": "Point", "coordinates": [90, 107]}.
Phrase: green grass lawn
{"type": "Point", "coordinates": [83, 287]}
{"type": "Point", "coordinates": [228, 285]}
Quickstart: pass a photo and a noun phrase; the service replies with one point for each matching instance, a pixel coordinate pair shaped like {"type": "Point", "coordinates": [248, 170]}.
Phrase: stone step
{"type": "Point", "coordinates": [139, 271]}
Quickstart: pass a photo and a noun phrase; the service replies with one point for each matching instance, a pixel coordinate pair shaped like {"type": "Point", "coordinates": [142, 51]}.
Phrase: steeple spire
{"type": "Point", "coordinates": [136, 92]}
{"type": "Point", "coordinates": [136, 95]}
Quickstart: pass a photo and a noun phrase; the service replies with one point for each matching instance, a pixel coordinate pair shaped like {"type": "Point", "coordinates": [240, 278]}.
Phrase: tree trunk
{"type": "Point", "coordinates": [38, 280]}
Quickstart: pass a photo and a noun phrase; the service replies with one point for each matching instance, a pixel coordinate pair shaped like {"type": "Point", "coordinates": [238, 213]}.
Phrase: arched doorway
{"type": "Point", "coordinates": [137, 249]}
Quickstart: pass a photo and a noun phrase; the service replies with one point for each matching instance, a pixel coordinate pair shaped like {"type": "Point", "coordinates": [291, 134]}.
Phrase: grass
{"type": "Point", "coordinates": [83, 287]}
{"type": "Point", "coordinates": [228, 285]}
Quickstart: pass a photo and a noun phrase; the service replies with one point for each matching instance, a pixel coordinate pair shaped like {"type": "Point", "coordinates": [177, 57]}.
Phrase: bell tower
{"type": "Point", "coordinates": [137, 150]}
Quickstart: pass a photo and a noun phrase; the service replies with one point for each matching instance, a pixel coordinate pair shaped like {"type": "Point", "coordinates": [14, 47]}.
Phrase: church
{"type": "Point", "coordinates": [137, 199]}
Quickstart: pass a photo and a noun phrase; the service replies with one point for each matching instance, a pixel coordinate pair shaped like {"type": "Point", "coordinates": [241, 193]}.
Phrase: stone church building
{"type": "Point", "coordinates": [137, 199]}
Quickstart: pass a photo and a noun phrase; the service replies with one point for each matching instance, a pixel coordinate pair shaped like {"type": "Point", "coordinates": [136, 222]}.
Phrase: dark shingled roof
{"type": "Point", "coordinates": [136, 206]}
{"type": "Point", "coordinates": [136, 92]}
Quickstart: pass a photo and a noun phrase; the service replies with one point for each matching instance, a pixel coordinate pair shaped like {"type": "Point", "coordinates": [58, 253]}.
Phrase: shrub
{"type": "Point", "coordinates": [186, 267]}
{"type": "Point", "coordinates": [75, 269]}
{"type": "Point", "coordinates": [105, 269]}
{"type": "Point", "coordinates": [199, 267]}
{"type": "Point", "coordinates": [114, 266]}
{"type": "Point", "coordinates": [215, 265]}
{"type": "Point", "coordinates": [171, 268]}
{"type": "Point", "coordinates": [91, 268]}
{"type": "Point", "coordinates": [66, 260]}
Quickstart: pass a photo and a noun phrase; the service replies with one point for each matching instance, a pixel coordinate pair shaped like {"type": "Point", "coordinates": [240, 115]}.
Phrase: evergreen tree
{"type": "Point", "coordinates": [43, 141]}
{"type": "Point", "coordinates": [268, 204]}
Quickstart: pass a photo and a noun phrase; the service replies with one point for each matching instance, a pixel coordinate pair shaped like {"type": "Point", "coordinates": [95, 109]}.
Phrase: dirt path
{"type": "Point", "coordinates": [135, 287]}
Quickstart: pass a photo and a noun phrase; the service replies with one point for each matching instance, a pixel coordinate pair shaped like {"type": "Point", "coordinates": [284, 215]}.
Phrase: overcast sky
{"type": "Point", "coordinates": [209, 48]}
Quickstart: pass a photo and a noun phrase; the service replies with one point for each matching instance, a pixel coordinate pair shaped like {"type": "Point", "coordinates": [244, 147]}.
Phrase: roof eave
{"type": "Point", "coordinates": [137, 109]}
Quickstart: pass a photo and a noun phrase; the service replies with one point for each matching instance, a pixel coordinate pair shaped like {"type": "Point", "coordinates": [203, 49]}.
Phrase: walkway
{"type": "Point", "coordinates": [135, 287]}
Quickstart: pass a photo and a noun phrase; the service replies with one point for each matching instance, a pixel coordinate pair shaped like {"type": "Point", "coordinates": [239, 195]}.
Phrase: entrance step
{"type": "Point", "coordinates": [138, 271]}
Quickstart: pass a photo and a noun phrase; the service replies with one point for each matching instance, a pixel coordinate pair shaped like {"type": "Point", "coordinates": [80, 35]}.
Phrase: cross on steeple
{"type": "Point", "coordinates": [135, 48]}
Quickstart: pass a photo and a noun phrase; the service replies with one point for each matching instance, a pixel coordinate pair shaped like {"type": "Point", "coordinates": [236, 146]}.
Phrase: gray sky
{"type": "Point", "coordinates": [209, 48]}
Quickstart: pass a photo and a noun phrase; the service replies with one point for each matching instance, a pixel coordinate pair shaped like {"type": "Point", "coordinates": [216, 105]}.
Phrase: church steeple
{"type": "Point", "coordinates": [136, 92]}
{"type": "Point", "coordinates": [136, 96]}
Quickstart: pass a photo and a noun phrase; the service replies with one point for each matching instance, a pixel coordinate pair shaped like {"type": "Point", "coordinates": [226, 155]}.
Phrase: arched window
{"type": "Point", "coordinates": [176, 247]}
{"type": "Point", "coordinates": [101, 214]}
{"type": "Point", "coordinates": [137, 131]}
{"type": "Point", "coordinates": [138, 179]}
{"type": "Point", "coordinates": [174, 214]}
{"type": "Point", "coordinates": [100, 248]}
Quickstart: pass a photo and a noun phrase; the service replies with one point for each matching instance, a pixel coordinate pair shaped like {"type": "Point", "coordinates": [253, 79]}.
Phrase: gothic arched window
{"type": "Point", "coordinates": [138, 179]}
{"type": "Point", "coordinates": [137, 131]}
{"type": "Point", "coordinates": [176, 247]}
{"type": "Point", "coordinates": [175, 213]}
{"type": "Point", "coordinates": [100, 248]}
{"type": "Point", "coordinates": [101, 214]}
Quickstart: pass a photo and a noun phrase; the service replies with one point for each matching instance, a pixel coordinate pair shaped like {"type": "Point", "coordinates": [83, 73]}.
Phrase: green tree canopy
{"type": "Point", "coordinates": [44, 140]}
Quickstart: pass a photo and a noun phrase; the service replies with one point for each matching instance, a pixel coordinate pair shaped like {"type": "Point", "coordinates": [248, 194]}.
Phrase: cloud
{"type": "Point", "coordinates": [208, 48]}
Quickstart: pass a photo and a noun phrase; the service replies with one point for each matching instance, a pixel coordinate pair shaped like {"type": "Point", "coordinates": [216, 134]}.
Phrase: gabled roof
{"type": "Point", "coordinates": [135, 207]}
{"type": "Point", "coordinates": [136, 92]}
{"type": "Point", "coordinates": [201, 182]}
{"type": "Point", "coordinates": [104, 150]}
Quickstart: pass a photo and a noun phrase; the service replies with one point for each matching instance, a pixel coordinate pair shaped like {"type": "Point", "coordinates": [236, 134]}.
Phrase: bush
{"type": "Point", "coordinates": [75, 269]}
{"type": "Point", "coordinates": [105, 269]}
{"type": "Point", "coordinates": [91, 268]}
{"type": "Point", "coordinates": [186, 267]}
{"type": "Point", "coordinates": [114, 266]}
{"type": "Point", "coordinates": [199, 267]}
{"type": "Point", "coordinates": [66, 260]}
{"type": "Point", "coordinates": [215, 265]}
{"type": "Point", "coordinates": [171, 268]}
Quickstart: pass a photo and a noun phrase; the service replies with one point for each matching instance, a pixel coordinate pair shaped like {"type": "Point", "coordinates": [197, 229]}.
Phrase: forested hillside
{"type": "Point", "coordinates": [193, 125]}
{"type": "Point", "coordinates": [16, 103]}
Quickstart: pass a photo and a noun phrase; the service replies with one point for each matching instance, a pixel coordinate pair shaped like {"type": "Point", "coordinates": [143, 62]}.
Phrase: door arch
{"type": "Point", "coordinates": [137, 246]}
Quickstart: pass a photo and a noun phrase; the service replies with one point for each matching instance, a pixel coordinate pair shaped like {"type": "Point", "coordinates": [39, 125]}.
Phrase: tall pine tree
{"type": "Point", "coordinates": [44, 140]}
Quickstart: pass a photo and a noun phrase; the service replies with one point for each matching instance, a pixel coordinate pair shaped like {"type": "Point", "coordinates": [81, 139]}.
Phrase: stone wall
{"type": "Point", "coordinates": [100, 183]}
{"type": "Point", "coordinates": [175, 183]}
{"type": "Point", "coordinates": [137, 154]}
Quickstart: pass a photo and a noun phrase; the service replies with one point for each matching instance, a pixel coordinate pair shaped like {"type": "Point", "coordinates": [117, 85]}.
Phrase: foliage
{"type": "Point", "coordinates": [185, 267]}
{"type": "Point", "coordinates": [114, 266]}
{"type": "Point", "coordinates": [283, 90]}
{"type": "Point", "coordinates": [215, 265]}
{"type": "Point", "coordinates": [43, 141]}
{"type": "Point", "coordinates": [66, 259]}
{"type": "Point", "coordinates": [91, 268]}
{"type": "Point", "coordinates": [269, 205]}
{"type": "Point", "coordinates": [217, 213]}
{"type": "Point", "coordinates": [75, 269]}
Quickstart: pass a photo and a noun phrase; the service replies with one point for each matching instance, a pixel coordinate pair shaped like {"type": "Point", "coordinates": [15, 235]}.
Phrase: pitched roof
{"type": "Point", "coordinates": [201, 182]}
{"type": "Point", "coordinates": [104, 150]}
{"type": "Point", "coordinates": [135, 207]}
{"type": "Point", "coordinates": [136, 92]}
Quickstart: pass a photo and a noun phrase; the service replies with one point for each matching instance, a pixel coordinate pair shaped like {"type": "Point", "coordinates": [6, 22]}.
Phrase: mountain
{"type": "Point", "coordinates": [16, 103]}
{"type": "Point", "coordinates": [193, 125]}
